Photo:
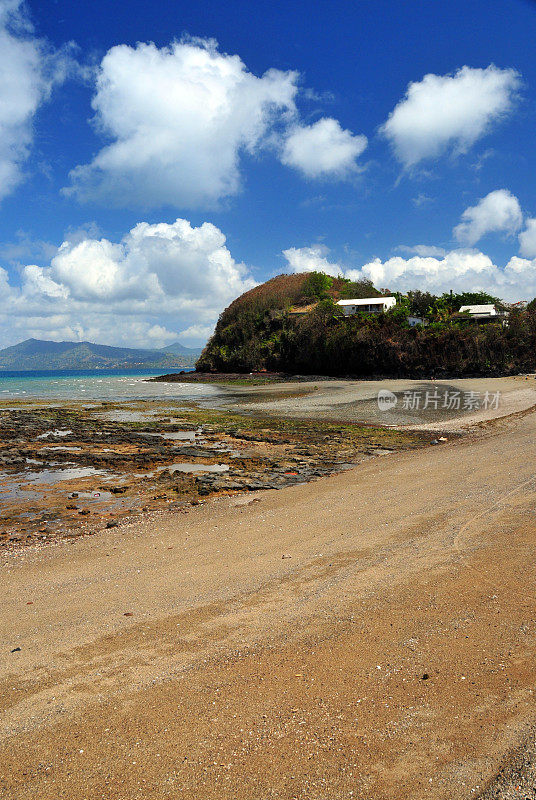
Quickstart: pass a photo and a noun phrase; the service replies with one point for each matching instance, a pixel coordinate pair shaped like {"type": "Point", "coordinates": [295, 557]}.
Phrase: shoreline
{"type": "Point", "coordinates": [285, 609]}
{"type": "Point", "coordinates": [68, 469]}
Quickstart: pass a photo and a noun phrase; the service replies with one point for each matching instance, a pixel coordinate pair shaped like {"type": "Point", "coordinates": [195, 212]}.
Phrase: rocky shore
{"type": "Point", "coordinates": [71, 470]}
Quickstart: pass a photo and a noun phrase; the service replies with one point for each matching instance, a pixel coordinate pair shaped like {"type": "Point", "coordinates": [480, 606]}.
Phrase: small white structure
{"type": "Point", "coordinates": [480, 312]}
{"type": "Point", "coordinates": [367, 305]}
{"type": "Point", "coordinates": [414, 321]}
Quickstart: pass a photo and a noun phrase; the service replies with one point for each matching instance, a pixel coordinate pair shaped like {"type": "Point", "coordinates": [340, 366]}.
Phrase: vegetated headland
{"type": "Point", "coordinates": [292, 325]}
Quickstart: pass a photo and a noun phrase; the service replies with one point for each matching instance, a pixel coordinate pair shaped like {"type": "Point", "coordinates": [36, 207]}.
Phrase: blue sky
{"type": "Point", "coordinates": [157, 159]}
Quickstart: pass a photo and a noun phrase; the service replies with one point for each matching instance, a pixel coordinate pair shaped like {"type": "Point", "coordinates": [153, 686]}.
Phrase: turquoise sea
{"type": "Point", "coordinates": [98, 385]}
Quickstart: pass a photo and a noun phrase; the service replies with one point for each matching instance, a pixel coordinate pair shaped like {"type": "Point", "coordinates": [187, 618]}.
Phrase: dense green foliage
{"type": "Point", "coordinates": [317, 286]}
{"type": "Point", "coordinates": [252, 336]}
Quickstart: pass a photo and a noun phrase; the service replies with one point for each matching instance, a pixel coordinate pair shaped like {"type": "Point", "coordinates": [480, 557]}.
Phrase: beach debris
{"type": "Point", "coordinates": [128, 614]}
{"type": "Point", "coordinates": [286, 556]}
{"type": "Point", "coordinates": [434, 441]}
{"type": "Point", "coordinates": [425, 676]}
{"type": "Point", "coordinates": [443, 439]}
{"type": "Point", "coordinates": [112, 524]}
{"type": "Point", "coordinates": [16, 650]}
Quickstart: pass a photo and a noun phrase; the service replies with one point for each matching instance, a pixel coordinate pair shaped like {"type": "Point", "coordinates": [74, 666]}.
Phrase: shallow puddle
{"type": "Point", "coordinates": [94, 497]}
{"type": "Point", "coordinates": [62, 447]}
{"type": "Point", "coordinates": [10, 492]}
{"type": "Point", "coordinates": [59, 432]}
{"type": "Point", "coordinates": [188, 467]}
{"type": "Point", "coordinates": [50, 476]}
{"type": "Point", "coordinates": [181, 436]}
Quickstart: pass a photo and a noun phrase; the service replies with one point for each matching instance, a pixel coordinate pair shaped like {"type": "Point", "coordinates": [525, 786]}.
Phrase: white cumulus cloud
{"type": "Point", "coordinates": [459, 270]}
{"type": "Point", "coordinates": [312, 259]}
{"type": "Point", "coordinates": [527, 239]}
{"type": "Point", "coordinates": [29, 69]}
{"type": "Point", "coordinates": [179, 118]}
{"type": "Point", "coordinates": [158, 281]}
{"type": "Point", "coordinates": [323, 149]}
{"type": "Point", "coordinates": [449, 112]}
{"type": "Point", "coordinates": [498, 211]}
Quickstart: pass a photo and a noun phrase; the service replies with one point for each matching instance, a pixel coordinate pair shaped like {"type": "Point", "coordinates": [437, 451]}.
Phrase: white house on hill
{"type": "Point", "coordinates": [486, 311]}
{"type": "Point", "coordinates": [367, 305]}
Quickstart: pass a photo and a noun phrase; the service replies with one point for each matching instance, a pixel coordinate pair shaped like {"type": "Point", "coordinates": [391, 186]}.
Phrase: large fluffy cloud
{"type": "Point", "coordinates": [312, 259]}
{"type": "Point", "coordinates": [323, 149]}
{"type": "Point", "coordinates": [158, 282]}
{"type": "Point", "coordinates": [179, 118]}
{"type": "Point", "coordinates": [527, 239]}
{"type": "Point", "coordinates": [460, 270]}
{"type": "Point", "coordinates": [498, 211]}
{"type": "Point", "coordinates": [29, 69]}
{"type": "Point", "coordinates": [449, 112]}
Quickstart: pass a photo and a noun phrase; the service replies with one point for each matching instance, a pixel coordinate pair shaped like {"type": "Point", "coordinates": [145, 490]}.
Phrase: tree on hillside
{"type": "Point", "coordinates": [455, 301]}
{"type": "Point", "coordinates": [317, 285]}
{"type": "Point", "coordinates": [421, 303]}
{"type": "Point", "coordinates": [357, 290]}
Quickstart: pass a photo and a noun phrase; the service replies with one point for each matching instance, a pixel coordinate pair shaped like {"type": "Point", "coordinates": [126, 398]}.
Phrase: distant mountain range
{"type": "Point", "coordinates": [41, 354]}
{"type": "Point", "coordinates": [178, 349]}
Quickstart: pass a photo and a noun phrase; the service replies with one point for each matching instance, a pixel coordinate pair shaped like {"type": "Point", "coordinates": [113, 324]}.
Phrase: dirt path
{"type": "Point", "coordinates": [369, 635]}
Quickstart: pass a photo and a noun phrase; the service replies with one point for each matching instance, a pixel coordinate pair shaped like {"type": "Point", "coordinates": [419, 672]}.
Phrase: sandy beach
{"type": "Point", "coordinates": [367, 635]}
{"type": "Point", "coordinates": [356, 401]}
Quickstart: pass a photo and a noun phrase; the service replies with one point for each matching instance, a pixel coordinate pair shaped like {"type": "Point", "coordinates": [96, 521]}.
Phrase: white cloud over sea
{"type": "Point", "coordinates": [159, 283]}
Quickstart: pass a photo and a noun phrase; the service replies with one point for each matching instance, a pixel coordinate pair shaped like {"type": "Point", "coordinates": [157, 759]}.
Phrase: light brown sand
{"type": "Point", "coordinates": [277, 649]}
{"type": "Point", "coordinates": [356, 401]}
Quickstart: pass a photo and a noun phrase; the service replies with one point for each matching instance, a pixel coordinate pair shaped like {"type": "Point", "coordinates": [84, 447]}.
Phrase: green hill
{"type": "Point", "coordinates": [178, 349]}
{"type": "Point", "coordinates": [291, 324]}
{"type": "Point", "coordinates": [42, 354]}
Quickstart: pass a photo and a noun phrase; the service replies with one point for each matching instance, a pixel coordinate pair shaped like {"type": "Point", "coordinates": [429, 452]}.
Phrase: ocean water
{"type": "Point", "coordinates": [98, 385]}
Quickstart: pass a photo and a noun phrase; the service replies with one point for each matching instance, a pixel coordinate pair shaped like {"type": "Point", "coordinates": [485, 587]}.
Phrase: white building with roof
{"type": "Point", "coordinates": [487, 310]}
{"type": "Point", "coordinates": [366, 305]}
{"type": "Point", "coordinates": [483, 312]}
